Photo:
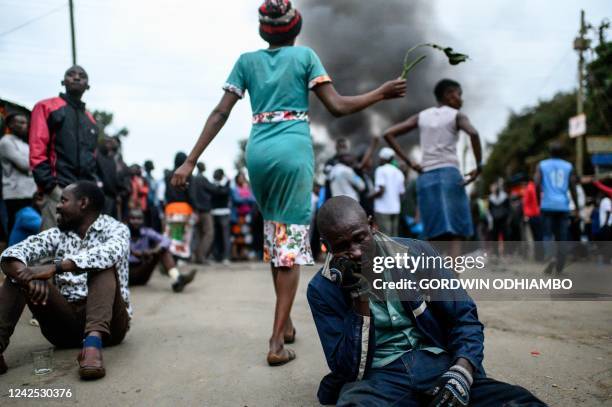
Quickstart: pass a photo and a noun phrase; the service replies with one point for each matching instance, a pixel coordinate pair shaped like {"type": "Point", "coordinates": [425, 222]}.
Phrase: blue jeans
{"type": "Point", "coordinates": [555, 226]}
{"type": "Point", "coordinates": [404, 382]}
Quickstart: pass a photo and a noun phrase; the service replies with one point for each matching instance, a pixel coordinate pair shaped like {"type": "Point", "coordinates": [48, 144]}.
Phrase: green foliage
{"type": "Point", "coordinates": [525, 138]}
{"type": "Point", "coordinates": [598, 104]}
{"type": "Point", "coordinates": [105, 119]}
{"type": "Point", "coordinates": [524, 141]}
{"type": "Point", "coordinates": [454, 58]}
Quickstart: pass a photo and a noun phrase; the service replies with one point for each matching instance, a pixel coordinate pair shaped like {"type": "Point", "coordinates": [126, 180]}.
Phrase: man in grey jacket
{"type": "Point", "coordinates": [18, 186]}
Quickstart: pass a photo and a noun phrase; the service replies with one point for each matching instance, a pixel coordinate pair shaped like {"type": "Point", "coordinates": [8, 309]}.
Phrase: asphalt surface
{"type": "Point", "coordinates": [207, 346]}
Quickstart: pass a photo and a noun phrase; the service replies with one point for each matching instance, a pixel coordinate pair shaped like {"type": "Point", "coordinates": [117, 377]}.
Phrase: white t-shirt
{"type": "Point", "coordinates": [344, 181]}
{"type": "Point", "coordinates": [605, 206]}
{"type": "Point", "coordinates": [392, 179]}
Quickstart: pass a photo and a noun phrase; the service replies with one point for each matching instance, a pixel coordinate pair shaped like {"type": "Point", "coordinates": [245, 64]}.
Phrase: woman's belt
{"type": "Point", "coordinates": [280, 116]}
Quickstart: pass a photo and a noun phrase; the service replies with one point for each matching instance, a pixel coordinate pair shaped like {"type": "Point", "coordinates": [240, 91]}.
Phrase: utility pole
{"type": "Point", "coordinates": [605, 24]}
{"type": "Point", "coordinates": [71, 6]}
{"type": "Point", "coordinates": [581, 44]}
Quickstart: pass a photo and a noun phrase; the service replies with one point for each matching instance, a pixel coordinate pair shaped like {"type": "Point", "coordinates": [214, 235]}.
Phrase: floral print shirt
{"type": "Point", "coordinates": [106, 244]}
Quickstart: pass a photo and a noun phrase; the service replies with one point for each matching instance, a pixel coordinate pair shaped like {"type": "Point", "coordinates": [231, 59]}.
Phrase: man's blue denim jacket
{"type": "Point", "coordinates": [348, 338]}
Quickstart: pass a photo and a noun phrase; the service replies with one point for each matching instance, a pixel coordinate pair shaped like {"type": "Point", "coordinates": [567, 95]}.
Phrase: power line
{"type": "Point", "coordinates": [40, 17]}
{"type": "Point", "coordinates": [553, 71]}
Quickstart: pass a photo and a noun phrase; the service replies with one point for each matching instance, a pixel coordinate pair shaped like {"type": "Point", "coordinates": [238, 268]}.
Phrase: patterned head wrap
{"type": "Point", "coordinates": [279, 21]}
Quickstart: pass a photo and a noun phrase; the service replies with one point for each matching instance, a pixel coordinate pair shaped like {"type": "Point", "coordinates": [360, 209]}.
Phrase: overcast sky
{"type": "Point", "coordinates": [159, 65]}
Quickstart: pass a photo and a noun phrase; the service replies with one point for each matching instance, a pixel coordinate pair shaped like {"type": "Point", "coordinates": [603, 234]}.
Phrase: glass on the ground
{"type": "Point", "coordinates": [43, 361]}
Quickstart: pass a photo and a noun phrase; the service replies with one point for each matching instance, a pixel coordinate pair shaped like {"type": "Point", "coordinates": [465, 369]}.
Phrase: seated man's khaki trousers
{"type": "Point", "coordinates": [64, 323]}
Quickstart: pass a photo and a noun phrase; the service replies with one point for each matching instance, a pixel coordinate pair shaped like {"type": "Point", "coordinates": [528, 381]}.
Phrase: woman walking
{"type": "Point", "coordinates": [279, 153]}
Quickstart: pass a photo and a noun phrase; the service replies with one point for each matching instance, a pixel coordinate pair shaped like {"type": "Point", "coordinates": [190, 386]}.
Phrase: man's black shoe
{"type": "Point", "coordinates": [550, 267]}
{"type": "Point", "coordinates": [183, 280]}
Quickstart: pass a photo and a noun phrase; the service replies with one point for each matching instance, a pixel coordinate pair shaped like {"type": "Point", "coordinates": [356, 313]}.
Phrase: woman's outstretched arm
{"type": "Point", "coordinates": [339, 105]}
{"type": "Point", "coordinates": [214, 124]}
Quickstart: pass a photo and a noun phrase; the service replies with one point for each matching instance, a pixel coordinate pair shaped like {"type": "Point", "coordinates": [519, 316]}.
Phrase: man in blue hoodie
{"type": "Point", "coordinates": [392, 348]}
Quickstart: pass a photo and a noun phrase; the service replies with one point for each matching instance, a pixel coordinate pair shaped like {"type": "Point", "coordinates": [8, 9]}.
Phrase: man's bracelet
{"type": "Point", "coordinates": [58, 266]}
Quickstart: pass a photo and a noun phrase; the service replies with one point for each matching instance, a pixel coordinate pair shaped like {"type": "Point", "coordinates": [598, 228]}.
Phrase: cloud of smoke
{"type": "Point", "coordinates": [362, 44]}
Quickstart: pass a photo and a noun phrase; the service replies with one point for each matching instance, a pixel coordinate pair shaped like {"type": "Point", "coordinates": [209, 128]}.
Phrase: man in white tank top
{"type": "Point", "coordinates": [438, 137]}
{"type": "Point", "coordinates": [439, 132]}
{"type": "Point", "coordinates": [443, 203]}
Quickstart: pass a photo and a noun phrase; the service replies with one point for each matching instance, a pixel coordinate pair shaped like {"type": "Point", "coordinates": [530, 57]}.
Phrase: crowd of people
{"type": "Point", "coordinates": [221, 211]}
{"type": "Point", "coordinates": [552, 204]}
{"type": "Point", "coordinates": [83, 225]}
{"type": "Point", "coordinates": [71, 205]}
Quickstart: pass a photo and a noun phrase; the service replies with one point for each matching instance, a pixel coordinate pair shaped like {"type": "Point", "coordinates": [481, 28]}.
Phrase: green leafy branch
{"type": "Point", "coordinates": [454, 58]}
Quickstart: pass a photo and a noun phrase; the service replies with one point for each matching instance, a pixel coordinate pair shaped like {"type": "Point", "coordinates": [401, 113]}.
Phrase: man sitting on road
{"type": "Point", "coordinates": [82, 299]}
{"type": "Point", "coordinates": [387, 349]}
{"type": "Point", "coordinates": [147, 249]}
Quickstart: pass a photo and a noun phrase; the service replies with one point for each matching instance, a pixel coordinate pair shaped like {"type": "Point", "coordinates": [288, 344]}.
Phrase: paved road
{"type": "Point", "coordinates": [207, 346]}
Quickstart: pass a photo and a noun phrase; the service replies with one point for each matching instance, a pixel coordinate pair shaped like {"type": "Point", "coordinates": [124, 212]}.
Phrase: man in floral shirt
{"type": "Point", "coordinates": [82, 298]}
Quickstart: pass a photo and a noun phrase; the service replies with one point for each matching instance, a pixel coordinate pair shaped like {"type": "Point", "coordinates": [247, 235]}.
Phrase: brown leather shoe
{"type": "Point", "coordinates": [3, 366]}
{"type": "Point", "coordinates": [91, 365]}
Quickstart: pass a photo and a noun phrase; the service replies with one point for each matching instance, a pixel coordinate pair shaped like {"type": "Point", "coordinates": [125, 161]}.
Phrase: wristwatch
{"type": "Point", "coordinates": [58, 266]}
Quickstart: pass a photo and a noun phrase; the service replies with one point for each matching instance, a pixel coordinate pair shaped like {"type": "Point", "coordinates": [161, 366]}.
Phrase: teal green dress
{"type": "Point", "coordinates": [279, 153]}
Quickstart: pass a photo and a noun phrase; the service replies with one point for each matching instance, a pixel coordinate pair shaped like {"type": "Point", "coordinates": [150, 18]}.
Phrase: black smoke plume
{"type": "Point", "coordinates": [362, 44]}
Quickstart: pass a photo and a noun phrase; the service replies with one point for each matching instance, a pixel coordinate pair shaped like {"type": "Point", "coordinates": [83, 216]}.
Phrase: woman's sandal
{"type": "Point", "coordinates": [290, 339]}
{"type": "Point", "coordinates": [277, 359]}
